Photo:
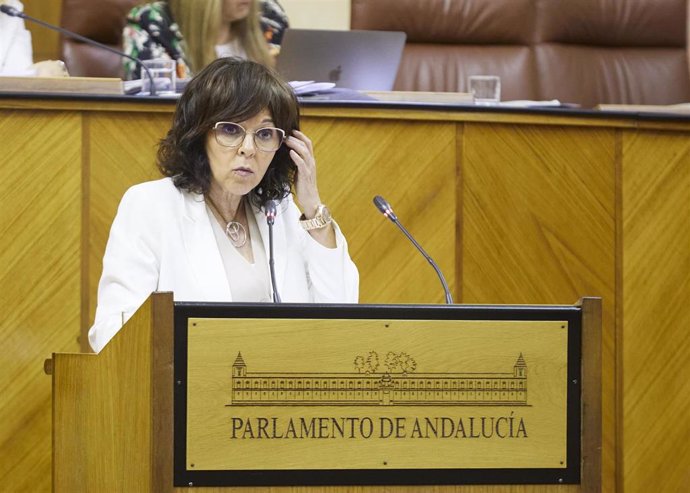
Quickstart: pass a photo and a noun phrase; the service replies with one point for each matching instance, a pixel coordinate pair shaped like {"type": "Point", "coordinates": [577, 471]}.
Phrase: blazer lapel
{"type": "Point", "coordinates": [202, 251]}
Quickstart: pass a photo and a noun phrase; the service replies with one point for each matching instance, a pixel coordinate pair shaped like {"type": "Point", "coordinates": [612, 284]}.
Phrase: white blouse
{"type": "Point", "coordinates": [232, 48]}
{"type": "Point", "coordinates": [249, 282]}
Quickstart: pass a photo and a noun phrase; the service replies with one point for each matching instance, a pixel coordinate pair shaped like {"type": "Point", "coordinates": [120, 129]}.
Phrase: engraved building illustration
{"type": "Point", "coordinates": [376, 389]}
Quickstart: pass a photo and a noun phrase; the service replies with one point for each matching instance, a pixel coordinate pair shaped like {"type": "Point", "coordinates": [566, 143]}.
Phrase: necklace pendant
{"type": "Point", "coordinates": [236, 233]}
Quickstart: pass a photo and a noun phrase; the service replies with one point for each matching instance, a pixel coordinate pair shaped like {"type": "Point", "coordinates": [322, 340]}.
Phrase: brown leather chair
{"type": "Point", "coordinates": [585, 51]}
{"type": "Point", "coordinates": [102, 21]}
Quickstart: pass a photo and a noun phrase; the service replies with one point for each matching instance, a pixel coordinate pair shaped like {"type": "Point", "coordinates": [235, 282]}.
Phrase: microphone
{"type": "Point", "coordinates": [12, 12]}
{"type": "Point", "coordinates": [270, 211]}
{"type": "Point", "coordinates": [387, 211]}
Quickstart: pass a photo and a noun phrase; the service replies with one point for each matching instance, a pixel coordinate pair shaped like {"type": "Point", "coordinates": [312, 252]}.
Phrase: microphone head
{"type": "Point", "coordinates": [270, 210]}
{"type": "Point", "coordinates": [6, 9]}
{"type": "Point", "coordinates": [385, 208]}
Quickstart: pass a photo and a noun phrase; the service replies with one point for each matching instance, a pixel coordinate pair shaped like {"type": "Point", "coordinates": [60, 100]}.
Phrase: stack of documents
{"type": "Point", "coordinates": [303, 87]}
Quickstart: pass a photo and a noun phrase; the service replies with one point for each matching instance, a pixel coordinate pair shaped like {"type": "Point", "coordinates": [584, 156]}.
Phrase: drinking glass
{"type": "Point", "coordinates": [164, 75]}
{"type": "Point", "coordinates": [485, 89]}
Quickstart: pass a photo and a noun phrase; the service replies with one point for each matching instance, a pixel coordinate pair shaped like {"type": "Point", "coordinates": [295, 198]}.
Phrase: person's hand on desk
{"type": "Point", "coordinates": [50, 68]}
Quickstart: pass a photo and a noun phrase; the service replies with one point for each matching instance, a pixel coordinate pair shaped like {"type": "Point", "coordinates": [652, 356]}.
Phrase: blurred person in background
{"type": "Point", "coordinates": [196, 32]}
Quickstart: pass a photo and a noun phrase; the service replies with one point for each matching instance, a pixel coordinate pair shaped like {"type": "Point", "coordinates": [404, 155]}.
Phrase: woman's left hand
{"type": "Point", "coordinates": [302, 153]}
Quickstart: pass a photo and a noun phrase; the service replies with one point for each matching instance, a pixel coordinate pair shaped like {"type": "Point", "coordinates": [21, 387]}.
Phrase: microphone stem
{"type": "Point", "coordinates": [271, 266]}
{"type": "Point", "coordinates": [449, 297]}
{"type": "Point", "coordinates": [86, 40]}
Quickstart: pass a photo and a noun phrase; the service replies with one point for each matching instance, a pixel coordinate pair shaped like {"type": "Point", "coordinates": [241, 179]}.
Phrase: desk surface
{"type": "Point", "coordinates": [315, 107]}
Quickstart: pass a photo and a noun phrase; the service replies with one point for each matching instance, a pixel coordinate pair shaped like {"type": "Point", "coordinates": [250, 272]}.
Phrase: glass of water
{"type": "Point", "coordinates": [485, 89]}
{"type": "Point", "coordinates": [164, 74]}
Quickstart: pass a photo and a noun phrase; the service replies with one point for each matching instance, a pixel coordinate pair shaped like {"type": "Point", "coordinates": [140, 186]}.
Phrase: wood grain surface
{"type": "Point", "coordinates": [412, 165]}
{"type": "Point", "coordinates": [656, 314]}
{"type": "Point", "coordinates": [539, 226]}
{"type": "Point", "coordinates": [45, 42]}
{"type": "Point", "coordinates": [40, 204]}
{"type": "Point", "coordinates": [102, 414]}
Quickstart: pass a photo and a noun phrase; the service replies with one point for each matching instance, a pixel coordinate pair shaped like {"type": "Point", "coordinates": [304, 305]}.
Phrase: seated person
{"type": "Point", "coordinates": [194, 33]}
{"type": "Point", "coordinates": [16, 54]}
{"type": "Point", "coordinates": [201, 232]}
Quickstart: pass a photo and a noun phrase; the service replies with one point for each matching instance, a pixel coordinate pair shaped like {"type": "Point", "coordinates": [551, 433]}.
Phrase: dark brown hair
{"type": "Point", "coordinates": [234, 90]}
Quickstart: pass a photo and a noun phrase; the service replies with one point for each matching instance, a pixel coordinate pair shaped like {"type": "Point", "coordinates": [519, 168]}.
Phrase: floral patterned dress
{"type": "Point", "coordinates": [151, 32]}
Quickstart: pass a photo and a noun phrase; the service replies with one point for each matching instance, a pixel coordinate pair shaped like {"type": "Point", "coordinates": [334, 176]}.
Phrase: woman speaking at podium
{"type": "Point", "coordinates": [233, 150]}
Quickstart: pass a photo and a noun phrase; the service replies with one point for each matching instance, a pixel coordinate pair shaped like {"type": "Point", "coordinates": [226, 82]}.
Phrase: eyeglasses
{"type": "Point", "coordinates": [267, 139]}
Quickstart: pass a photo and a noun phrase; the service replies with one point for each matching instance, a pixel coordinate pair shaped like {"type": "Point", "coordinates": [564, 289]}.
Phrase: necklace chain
{"type": "Point", "coordinates": [234, 230]}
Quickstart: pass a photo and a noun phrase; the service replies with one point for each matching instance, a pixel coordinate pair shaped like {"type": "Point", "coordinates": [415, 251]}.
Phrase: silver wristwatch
{"type": "Point", "coordinates": [320, 220]}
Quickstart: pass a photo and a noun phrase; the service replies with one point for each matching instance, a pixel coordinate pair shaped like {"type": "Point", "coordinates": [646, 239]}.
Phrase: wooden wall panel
{"type": "Point", "coordinates": [45, 42]}
{"type": "Point", "coordinates": [532, 202]}
{"type": "Point", "coordinates": [122, 153]}
{"type": "Point", "coordinates": [410, 164]}
{"type": "Point", "coordinates": [656, 317]}
{"type": "Point", "coordinates": [40, 231]}
{"type": "Point", "coordinates": [538, 215]}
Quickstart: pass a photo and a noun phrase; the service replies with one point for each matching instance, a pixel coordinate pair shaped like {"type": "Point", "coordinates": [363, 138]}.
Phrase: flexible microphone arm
{"type": "Point", "coordinates": [270, 219]}
{"type": "Point", "coordinates": [11, 11]}
{"type": "Point", "coordinates": [387, 211]}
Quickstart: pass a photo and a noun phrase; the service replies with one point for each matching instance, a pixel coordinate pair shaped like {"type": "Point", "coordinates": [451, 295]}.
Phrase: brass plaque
{"type": "Point", "coordinates": [314, 394]}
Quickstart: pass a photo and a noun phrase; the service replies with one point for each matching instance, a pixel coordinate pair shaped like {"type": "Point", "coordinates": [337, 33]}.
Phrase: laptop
{"type": "Point", "coordinates": [360, 60]}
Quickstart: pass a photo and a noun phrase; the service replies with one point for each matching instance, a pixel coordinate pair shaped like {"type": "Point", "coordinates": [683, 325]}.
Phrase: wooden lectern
{"type": "Point", "coordinates": [361, 397]}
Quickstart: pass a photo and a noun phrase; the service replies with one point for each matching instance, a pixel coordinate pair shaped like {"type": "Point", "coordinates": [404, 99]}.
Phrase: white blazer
{"type": "Point", "coordinates": [162, 240]}
{"type": "Point", "coordinates": [16, 54]}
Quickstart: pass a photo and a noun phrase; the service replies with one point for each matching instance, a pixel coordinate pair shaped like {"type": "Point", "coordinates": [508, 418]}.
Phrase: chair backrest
{"type": "Point", "coordinates": [102, 21]}
{"type": "Point", "coordinates": [585, 51]}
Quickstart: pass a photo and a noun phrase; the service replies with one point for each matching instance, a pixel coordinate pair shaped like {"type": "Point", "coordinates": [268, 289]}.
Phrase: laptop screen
{"type": "Point", "coordinates": [361, 60]}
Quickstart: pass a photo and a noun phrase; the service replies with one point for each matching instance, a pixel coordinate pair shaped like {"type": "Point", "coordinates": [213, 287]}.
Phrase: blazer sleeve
{"type": "Point", "coordinates": [131, 266]}
{"type": "Point", "coordinates": [16, 54]}
{"type": "Point", "coordinates": [331, 273]}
